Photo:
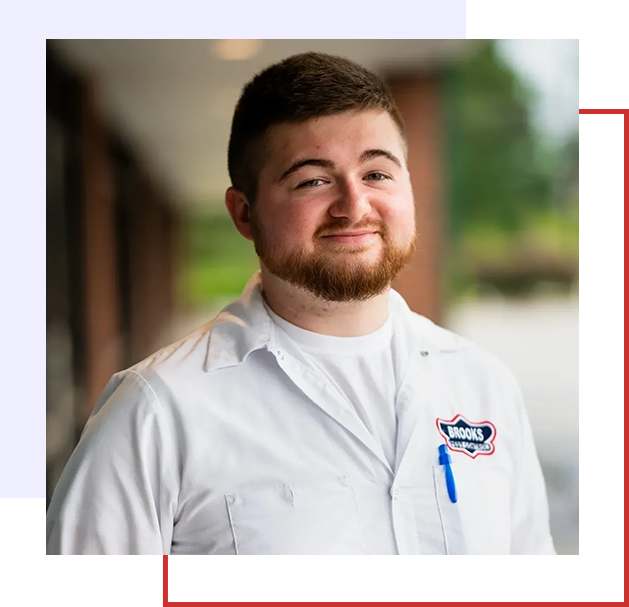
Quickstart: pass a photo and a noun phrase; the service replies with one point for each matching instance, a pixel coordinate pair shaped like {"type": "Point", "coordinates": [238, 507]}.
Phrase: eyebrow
{"type": "Point", "coordinates": [328, 164]}
{"type": "Point", "coordinates": [371, 154]}
{"type": "Point", "coordinates": [317, 162]}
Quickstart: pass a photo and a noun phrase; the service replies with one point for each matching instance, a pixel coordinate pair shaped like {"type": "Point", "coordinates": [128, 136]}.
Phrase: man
{"type": "Point", "coordinates": [317, 414]}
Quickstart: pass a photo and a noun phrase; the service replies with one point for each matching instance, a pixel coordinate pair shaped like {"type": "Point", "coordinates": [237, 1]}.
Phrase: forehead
{"type": "Point", "coordinates": [348, 134]}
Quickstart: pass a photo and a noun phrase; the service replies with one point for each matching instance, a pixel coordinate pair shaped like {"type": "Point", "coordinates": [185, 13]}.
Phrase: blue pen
{"type": "Point", "coordinates": [446, 461]}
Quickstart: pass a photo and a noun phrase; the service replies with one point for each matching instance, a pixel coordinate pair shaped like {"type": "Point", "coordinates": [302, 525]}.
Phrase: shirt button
{"type": "Point", "coordinates": [280, 355]}
{"type": "Point", "coordinates": [395, 494]}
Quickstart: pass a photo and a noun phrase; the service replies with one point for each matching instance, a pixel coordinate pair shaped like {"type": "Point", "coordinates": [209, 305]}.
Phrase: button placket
{"type": "Point", "coordinates": [409, 405]}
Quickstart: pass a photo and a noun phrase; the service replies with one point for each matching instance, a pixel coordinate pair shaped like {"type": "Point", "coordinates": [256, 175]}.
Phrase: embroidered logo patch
{"type": "Point", "coordinates": [471, 438]}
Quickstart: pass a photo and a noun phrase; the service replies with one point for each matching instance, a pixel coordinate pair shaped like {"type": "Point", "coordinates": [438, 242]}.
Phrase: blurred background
{"type": "Point", "coordinates": [141, 250]}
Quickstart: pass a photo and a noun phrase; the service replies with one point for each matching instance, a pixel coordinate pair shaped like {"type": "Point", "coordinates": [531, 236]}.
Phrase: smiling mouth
{"type": "Point", "coordinates": [351, 237]}
{"type": "Point", "coordinates": [350, 234]}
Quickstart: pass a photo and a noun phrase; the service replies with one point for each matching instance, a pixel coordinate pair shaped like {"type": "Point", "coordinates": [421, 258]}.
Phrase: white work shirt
{"type": "Point", "coordinates": [228, 443]}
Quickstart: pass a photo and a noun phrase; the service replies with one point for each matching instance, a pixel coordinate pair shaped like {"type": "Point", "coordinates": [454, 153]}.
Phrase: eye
{"type": "Point", "coordinates": [377, 177]}
{"type": "Point", "coordinates": [311, 183]}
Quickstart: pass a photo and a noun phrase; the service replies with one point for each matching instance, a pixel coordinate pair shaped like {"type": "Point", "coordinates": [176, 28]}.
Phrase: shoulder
{"type": "Point", "coordinates": [149, 386]}
{"type": "Point", "coordinates": [186, 354]}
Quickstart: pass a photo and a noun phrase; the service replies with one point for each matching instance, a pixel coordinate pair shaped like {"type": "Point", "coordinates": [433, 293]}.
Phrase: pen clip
{"type": "Point", "coordinates": [446, 461]}
{"type": "Point", "coordinates": [444, 456]}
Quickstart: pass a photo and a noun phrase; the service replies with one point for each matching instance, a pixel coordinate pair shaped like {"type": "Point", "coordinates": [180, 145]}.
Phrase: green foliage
{"type": "Point", "coordinates": [219, 261]}
{"type": "Point", "coordinates": [513, 197]}
{"type": "Point", "coordinates": [497, 170]}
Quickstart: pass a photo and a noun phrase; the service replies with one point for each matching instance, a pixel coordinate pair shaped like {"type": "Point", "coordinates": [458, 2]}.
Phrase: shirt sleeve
{"type": "Point", "coordinates": [530, 527]}
{"type": "Point", "coordinates": [117, 493]}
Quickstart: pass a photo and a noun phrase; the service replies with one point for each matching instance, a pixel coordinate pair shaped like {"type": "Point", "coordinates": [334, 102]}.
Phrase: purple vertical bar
{"type": "Point", "coordinates": [601, 157]}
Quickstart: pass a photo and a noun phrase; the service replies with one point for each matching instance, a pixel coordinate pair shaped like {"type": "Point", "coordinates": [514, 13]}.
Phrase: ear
{"type": "Point", "coordinates": [239, 210]}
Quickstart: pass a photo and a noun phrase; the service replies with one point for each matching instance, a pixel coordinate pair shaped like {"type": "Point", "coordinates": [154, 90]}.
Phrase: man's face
{"type": "Point", "coordinates": [334, 212]}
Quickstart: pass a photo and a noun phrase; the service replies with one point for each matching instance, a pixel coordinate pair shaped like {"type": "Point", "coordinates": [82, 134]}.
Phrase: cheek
{"type": "Point", "coordinates": [293, 229]}
{"type": "Point", "coordinates": [407, 211]}
{"type": "Point", "coordinates": [401, 219]}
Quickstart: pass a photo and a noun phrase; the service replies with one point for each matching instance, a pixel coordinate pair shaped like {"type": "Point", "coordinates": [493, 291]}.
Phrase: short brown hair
{"type": "Point", "coordinates": [297, 89]}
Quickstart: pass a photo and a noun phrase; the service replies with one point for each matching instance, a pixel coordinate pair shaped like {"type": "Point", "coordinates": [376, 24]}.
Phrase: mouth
{"type": "Point", "coordinates": [352, 237]}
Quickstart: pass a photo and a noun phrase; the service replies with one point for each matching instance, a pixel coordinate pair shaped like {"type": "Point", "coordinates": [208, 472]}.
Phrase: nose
{"type": "Point", "coordinates": [351, 202]}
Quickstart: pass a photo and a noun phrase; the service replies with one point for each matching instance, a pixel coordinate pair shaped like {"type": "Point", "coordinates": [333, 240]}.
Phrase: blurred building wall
{"type": "Point", "coordinates": [419, 97]}
{"type": "Point", "coordinates": [111, 256]}
{"type": "Point", "coordinates": [101, 290]}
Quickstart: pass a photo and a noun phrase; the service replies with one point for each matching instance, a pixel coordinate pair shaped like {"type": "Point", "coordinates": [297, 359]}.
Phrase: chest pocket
{"type": "Point", "coordinates": [479, 523]}
{"type": "Point", "coordinates": [312, 517]}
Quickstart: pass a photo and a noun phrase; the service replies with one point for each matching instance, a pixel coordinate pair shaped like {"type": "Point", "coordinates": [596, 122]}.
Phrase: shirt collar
{"type": "Point", "coordinates": [244, 326]}
{"type": "Point", "coordinates": [240, 328]}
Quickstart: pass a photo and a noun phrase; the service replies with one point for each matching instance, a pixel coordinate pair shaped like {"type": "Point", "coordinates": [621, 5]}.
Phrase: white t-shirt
{"type": "Point", "coordinates": [361, 369]}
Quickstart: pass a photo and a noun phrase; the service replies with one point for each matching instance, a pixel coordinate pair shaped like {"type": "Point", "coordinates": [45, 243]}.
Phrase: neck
{"type": "Point", "coordinates": [339, 319]}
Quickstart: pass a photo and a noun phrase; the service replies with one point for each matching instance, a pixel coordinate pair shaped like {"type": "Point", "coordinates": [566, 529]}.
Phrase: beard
{"type": "Point", "coordinates": [336, 271]}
